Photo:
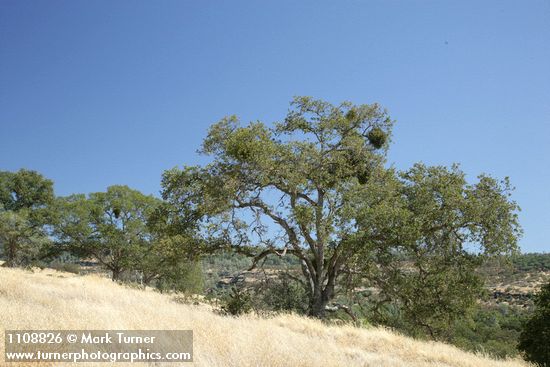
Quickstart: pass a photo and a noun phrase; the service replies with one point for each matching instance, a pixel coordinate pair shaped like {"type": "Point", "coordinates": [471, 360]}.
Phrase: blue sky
{"type": "Point", "coordinates": [95, 93]}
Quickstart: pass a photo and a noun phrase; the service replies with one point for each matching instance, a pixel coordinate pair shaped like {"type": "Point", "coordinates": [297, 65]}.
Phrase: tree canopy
{"type": "Point", "coordinates": [315, 186]}
{"type": "Point", "coordinates": [24, 199]}
{"type": "Point", "coordinates": [420, 236]}
{"type": "Point", "coordinates": [24, 189]}
{"type": "Point", "coordinates": [109, 226]}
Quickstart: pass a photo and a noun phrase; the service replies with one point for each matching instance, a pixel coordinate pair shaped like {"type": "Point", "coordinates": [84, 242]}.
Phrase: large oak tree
{"type": "Point", "coordinates": [314, 186]}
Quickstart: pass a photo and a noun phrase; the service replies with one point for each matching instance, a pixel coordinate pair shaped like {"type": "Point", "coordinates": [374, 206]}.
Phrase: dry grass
{"type": "Point", "coordinates": [53, 300]}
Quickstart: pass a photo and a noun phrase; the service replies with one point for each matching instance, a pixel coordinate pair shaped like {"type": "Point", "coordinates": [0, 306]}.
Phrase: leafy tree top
{"type": "Point", "coordinates": [314, 186]}
{"type": "Point", "coordinates": [24, 189]}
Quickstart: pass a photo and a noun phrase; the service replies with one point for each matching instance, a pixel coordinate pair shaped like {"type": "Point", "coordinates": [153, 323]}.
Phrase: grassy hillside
{"type": "Point", "coordinates": [54, 300]}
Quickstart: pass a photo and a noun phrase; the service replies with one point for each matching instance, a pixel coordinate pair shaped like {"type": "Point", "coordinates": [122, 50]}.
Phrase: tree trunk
{"type": "Point", "coordinates": [116, 274]}
{"type": "Point", "coordinates": [319, 300]}
{"type": "Point", "coordinates": [317, 307]}
{"type": "Point", "coordinates": [320, 296]}
{"type": "Point", "coordinates": [11, 254]}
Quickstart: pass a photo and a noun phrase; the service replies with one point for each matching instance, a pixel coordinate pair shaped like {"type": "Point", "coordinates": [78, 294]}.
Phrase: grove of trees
{"type": "Point", "coordinates": [315, 187]}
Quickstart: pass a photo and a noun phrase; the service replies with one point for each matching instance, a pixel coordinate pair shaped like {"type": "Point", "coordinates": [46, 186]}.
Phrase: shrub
{"type": "Point", "coordinates": [186, 277]}
{"type": "Point", "coordinates": [534, 340]}
{"type": "Point", "coordinates": [286, 294]}
{"type": "Point", "coordinates": [66, 267]}
{"type": "Point", "coordinates": [237, 302]}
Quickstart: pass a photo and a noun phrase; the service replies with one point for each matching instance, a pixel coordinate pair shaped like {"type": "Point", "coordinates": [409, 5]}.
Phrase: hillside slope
{"type": "Point", "coordinates": [54, 300]}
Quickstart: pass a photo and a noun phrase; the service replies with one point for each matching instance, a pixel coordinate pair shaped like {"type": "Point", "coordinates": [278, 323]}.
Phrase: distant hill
{"type": "Point", "coordinates": [513, 282]}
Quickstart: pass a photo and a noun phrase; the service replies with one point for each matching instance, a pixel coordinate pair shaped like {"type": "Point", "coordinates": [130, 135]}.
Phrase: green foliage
{"type": "Point", "coordinates": [110, 226]}
{"type": "Point", "coordinates": [531, 262]}
{"type": "Point", "coordinates": [484, 328]}
{"type": "Point", "coordinates": [315, 187]}
{"type": "Point", "coordinates": [492, 330]}
{"type": "Point", "coordinates": [22, 241]}
{"type": "Point", "coordinates": [430, 291]}
{"type": "Point", "coordinates": [308, 161]}
{"type": "Point", "coordinates": [24, 199]}
{"type": "Point", "coordinates": [172, 260]}
{"type": "Point", "coordinates": [186, 277]}
{"type": "Point", "coordinates": [267, 293]}
{"type": "Point", "coordinates": [377, 137]}
{"type": "Point", "coordinates": [285, 294]}
{"type": "Point", "coordinates": [281, 262]}
{"type": "Point", "coordinates": [24, 189]}
{"type": "Point", "coordinates": [417, 230]}
{"type": "Point", "coordinates": [535, 336]}
{"type": "Point", "coordinates": [311, 195]}
{"type": "Point", "coordinates": [237, 302]}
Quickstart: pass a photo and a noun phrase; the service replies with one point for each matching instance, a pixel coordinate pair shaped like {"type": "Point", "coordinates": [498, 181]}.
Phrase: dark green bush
{"type": "Point", "coordinates": [185, 277]}
{"type": "Point", "coordinates": [237, 302]}
{"type": "Point", "coordinates": [285, 294]}
{"type": "Point", "coordinates": [534, 340]}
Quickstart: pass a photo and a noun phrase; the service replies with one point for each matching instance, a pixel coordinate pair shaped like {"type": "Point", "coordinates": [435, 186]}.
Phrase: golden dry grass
{"type": "Point", "coordinates": [53, 300]}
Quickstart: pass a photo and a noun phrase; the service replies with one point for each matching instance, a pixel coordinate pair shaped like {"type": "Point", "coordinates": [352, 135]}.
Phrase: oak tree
{"type": "Point", "coordinates": [109, 226]}
{"type": "Point", "coordinates": [25, 197]}
{"type": "Point", "coordinates": [314, 186]}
